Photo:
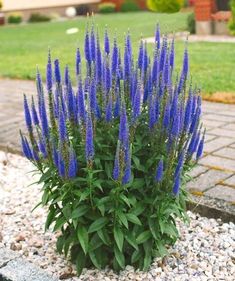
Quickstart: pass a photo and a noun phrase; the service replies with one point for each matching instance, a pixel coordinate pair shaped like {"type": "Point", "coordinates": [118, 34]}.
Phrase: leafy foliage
{"type": "Point", "coordinates": [231, 24]}
{"type": "Point", "coordinates": [191, 23]}
{"type": "Point", "coordinates": [162, 6]}
{"type": "Point", "coordinates": [114, 151]}
{"type": "Point", "coordinates": [107, 7]}
{"type": "Point", "coordinates": [129, 6]}
{"type": "Point", "coordinates": [14, 18]}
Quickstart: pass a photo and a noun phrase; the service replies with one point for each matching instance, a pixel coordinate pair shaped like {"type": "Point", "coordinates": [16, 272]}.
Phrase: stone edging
{"type": "Point", "coordinates": [15, 268]}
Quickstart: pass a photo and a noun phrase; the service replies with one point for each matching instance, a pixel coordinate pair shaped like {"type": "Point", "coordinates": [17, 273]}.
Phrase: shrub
{"type": "Point", "coordinates": [14, 18]}
{"type": "Point", "coordinates": [113, 153]}
{"type": "Point", "coordinates": [129, 6]}
{"type": "Point", "coordinates": [107, 7]}
{"type": "Point", "coordinates": [162, 6]}
{"type": "Point", "coordinates": [231, 23]}
{"type": "Point", "coordinates": [39, 18]}
{"type": "Point", "coordinates": [191, 23]}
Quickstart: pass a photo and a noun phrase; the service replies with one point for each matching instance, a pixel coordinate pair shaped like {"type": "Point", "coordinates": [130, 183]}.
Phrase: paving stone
{"type": "Point", "coordinates": [223, 132]}
{"type": "Point", "coordinates": [209, 137]}
{"type": "Point", "coordinates": [230, 127]}
{"type": "Point", "coordinates": [21, 270]}
{"type": "Point", "coordinates": [218, 162]}
{"type": "Point", "coordinates": [198, 170]}
{"type": "Point", "coordinates": [217, 143]}
{"type": "Point", "coordinates": [230, 181]}
{"type": "Point", "coordinates": [222, 192]}
{"type": "Point", "coordinates": [6, 256]}
{"type": "Point", "coordinates": [229, 113]}
{"type": "Point", "coordinates": [218, 117]}
{"type": "Point", "coordinates": [212, 123]}
{"type": "Point", "coordinates": [226, 152]}
{"type": "Point", "coordinates": [232, 145]}
{"type": "Point", "coordinates": [207, 180]}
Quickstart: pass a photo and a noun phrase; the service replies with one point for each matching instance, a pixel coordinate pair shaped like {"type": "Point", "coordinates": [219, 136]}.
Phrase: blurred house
{"type": "Point", "coordinates": [47, 7]}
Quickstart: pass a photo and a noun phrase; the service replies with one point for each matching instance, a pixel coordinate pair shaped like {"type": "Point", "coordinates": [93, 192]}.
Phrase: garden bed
{"type": "Point", "coordinates": [203, 252]}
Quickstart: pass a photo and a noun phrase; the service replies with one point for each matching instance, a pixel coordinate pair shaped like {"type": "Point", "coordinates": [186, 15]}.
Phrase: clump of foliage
{"type": "Point", "coordinates": [36, 17]}
{"type": "Point", "coordinates": [114, 150]}
{"type": "Point", "coordinates": [129, 6]}
{"type": "Point", "coordinates": [14, 18]}
{"type": "Point", "coordinates": [232, 21]}
{"type": "Point", "coordinates": [191, 23]}
{"type": "Point", "coordinates": [107, 7]}
{"type": "Point", "coordinates": [162, 6]}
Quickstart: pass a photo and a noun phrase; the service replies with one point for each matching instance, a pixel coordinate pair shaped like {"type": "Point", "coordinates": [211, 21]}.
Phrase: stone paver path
{"type": "Point", "coordinates": [215, 176]}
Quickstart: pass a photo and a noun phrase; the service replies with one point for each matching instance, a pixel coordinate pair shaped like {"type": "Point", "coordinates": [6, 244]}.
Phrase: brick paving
{"type": "Point", "coordinates": [215, 175]}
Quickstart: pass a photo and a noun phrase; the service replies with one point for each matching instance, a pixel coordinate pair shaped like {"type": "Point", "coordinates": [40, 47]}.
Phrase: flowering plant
{"type": "Point", "coordinates": [114, 151]}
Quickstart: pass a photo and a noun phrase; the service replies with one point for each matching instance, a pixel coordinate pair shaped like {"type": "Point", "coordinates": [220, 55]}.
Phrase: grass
{"type": "Point", "coordinates": [25, 46]}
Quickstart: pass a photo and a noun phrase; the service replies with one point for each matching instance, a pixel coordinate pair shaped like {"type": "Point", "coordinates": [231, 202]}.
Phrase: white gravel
{"type": "Point", "coordinates": [206, 250]}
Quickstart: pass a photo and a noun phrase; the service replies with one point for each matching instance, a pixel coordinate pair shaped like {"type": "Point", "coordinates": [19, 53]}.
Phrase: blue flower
{"type": "Point", "coordinates": [141, 55]}
{"type": "Point", "coordinates": [188, 112]}
{"type": "Point", "coordinates": [172, 54]}
{"type": "Point", "coordinates": [114, 58]}
{"type": "Point", "coordinates": [62, 127]}
{"type": "Point", "coordinates": [123, 127]}
{"type": "Point", "coordinates": [159, 171]}
{"type": "Point", "coordinates": [155, 69]}
{"type": "Point", "coordinates": [72, 169]}
{"type": "Point", "coordinates": [163, 54]}
{"type": "Point", "coordinates": [109, 108]}
{"type": "Point", "coordinates": [27, 115]}
{"type": "Point", "coordinates": [179, 165]}
{"type": "Point", "coordinates": [158, 36]}
{"type": "Point", "coordinates": [166, 116]}
{"type": "Point", "coordinates": [92, 44]}
{"type": "Point", "coordinates": [90, 152]}
{"type": "Point", "coordinates": [107, 78]}
{"type": "Point", "coordinates": [61, 165]}
{"type": "Point", "coordinates": [34, 113]}
{"type": "Point", "coordinates": [152, 111]}
{"type": "Point", "coordinates": [80, 101]}
{"type": "Point", "coordinates": [200, 148]}
{"type": "Point", "coordinates": [57, 71]}
{"type": "Point", "coordinates": [55, 155]}
{"type": "Point", "coordinates": [87, 47]}
{"type": "Point", "coordinates": [185, 63]}
{"type": "Point", "coordinates": [137, 101]}
{"type": "Point", "coordinates": [128, 44]}
{"type": "Point", "coordinates": [66, 76]}
{"type": "Point", "coordinates": [127, 64]}
{"type": "Point", "coordinates": [106, 42]}
{"type": "Point", "coordinates": [78, 62]}
{"type": "Point", "coordinates": [49, 74]}
{"type": "Point", "coordinates": [98, 61]}
{"type": "Point", "coordinates": [26, 148]}
{"type": "Point", "coordinates": [176, 185]}
{"type": "Point", "coordinates": [127, 171]}
{"type": "Point", "coordinates": [44, 120]}
{"type": "Point", "coordinates": [42, 147]}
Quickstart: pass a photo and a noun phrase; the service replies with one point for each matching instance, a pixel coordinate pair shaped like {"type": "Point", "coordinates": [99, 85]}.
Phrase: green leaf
{"type": "Point", "coordinates": [119, 257]}
{"type": "Point", "coordinates": [80, 262]}
{"type": "Point", "coordinates": [118, 236]}
{"type": "Point", "coordinates": [125, 199]}
{"type": "Point", "coordinates": [97, 225]}
{"type": "Point", "coordinates": [131, 240]}
{"type": "Point", "coordinates": [122, 218]}
{"type": "Point", "coordinates": [60, 221]}
{"type": "Point", "coordinates": [50, 217]}
{"type": "Point", "coordinates": [148, 256]}
{"type": "Point", "coordinates": [94, 259]}
{"type": "Point", "coordinates": [144, 236]}
{"type": "Point", "coordinates": [67, 244]}
{"type": "Point", "coordinates": [83, 238]}
{"type": "Point", "coordinates": [102, 233]}
{"type": "Point", "coordinates": [45, 197]}
{"type": "Point", "coordinates": [60, 244]}
{"type": "Point", "coordinates": [135, 256]}
{"type": "Point", "coordinates": [97, 184]}
{"type": "Point", "coordinates": [138, 209]}
{"type": "Point", "coordinates": [79, 212]}
{"type": "Point", "coordinates": [153, 227]}
{"type": "Point", "coordinates": [161, 249]}
{"type": "Point", "coordinates": [84, 195]}
{"type": "Point", "coordinates": [67, 211]}
{"type": "Point", "coordinates": [133, 218]}
{"type": "Point", "coordinates": [95, 242]}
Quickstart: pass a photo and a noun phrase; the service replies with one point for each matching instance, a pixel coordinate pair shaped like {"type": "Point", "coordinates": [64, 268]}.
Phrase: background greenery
{"type": "Point", "coordinates": [23, 47]}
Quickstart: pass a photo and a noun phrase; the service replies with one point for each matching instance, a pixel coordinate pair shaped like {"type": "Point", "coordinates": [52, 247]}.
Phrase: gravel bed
{"type": "Point", "coordinates": [205, 250]}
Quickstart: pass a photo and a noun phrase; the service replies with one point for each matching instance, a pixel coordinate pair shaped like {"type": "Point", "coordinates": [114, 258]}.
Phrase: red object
{"type": "Point", "coordinates": [203, 9]}
{"type": "Point", "coordinates": [222, 16]}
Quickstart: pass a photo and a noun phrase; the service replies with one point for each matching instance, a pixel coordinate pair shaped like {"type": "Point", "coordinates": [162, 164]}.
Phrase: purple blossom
{"type": "Point", "coordinates": [179, 165]}
{"type": "Point", "coordinates": [116, 168]}
{"type": "Point", "coordinates": [185, 63]}
{"type": "Point", "coordinates": [176, 185]}
{"type": "Point", "coordinates": [200, 148]}
{"type": "Point", "coordinates": [78, 62]}
{"type": "Point", "coordinates": [61, 165]}
{"type": "Point", "coordinates": [159, 171]}
{"type": "Point", "coordinates": [123, 127]}
{"type": "Point", "coordinates": [137, 103]}
{"type": "Point", "coordinates": [49, 74]}
{"type": "Point", "coordinates": [57, 71]}
{"type": "Point", "coordinates": [90, 152]}
{"type": "Point", "coordinates": [114, 58]}
{"type": "Point", "coordinates": [141, 55]}
{"type": "Point", "coordinates": [106, 42]}
{"type": "Point", "coordinates": [80, 101]}
{"type": "Point", "coordinates": [34, 114]}
{"type": "Point", "coordinates": [44, 120]}
{"type": "Point", "coordinates": [87, 47]}
{"type": "Point", "coordinates": [62, 127]}
{"type": "Point", "coordinates": [26, 148]}
{"type": "Point", "coordinates": [172, 54]}
{"type": "Point", "coordinates": [92, 44]}
{"type": "Point", "coordinates": [158, 36]}
{"type": "Point", "coordinates": [72, 169]}
{"type": "Point", "coordinates": [109, 109]}
{"type": "Point", "coordinates": [127, 171]}
{"type": "Point", "coordinates": [42, 147]}
{"type": "Point", "coordinates": [27, 115]}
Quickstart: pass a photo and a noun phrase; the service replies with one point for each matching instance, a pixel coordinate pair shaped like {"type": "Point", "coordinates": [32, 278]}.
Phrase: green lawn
{"type": "Point", "coordinates": [23, 47]}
